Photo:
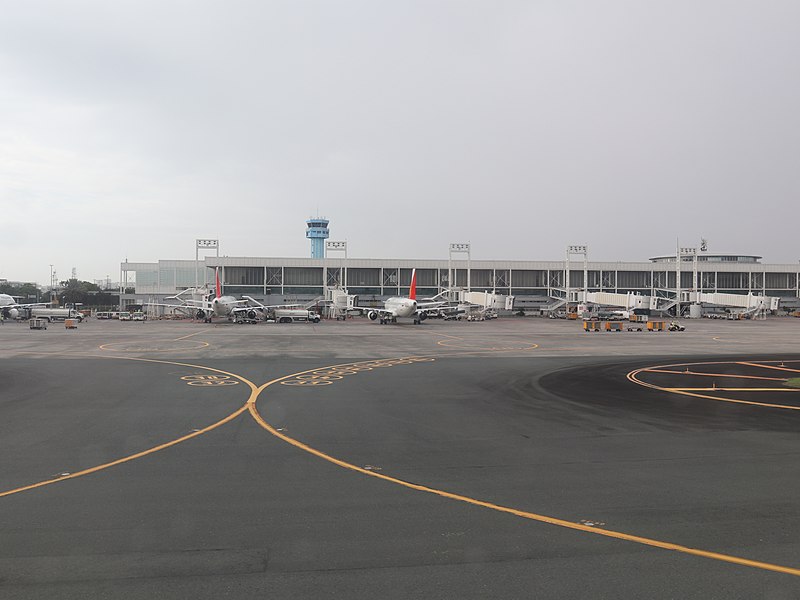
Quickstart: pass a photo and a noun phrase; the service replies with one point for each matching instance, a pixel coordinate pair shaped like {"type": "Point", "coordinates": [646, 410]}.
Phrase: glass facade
{"type": "Point", "coordinates": [167, 277]}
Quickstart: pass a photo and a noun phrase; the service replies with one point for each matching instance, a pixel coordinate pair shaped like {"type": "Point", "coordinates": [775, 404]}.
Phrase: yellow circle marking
{"type": "Point", "coordinates": [466, 346]}
{"type": "Point", "coordinates": [306, 382]}
{"type": "Point", "coordinates": [209, 380]}
{"type": "Point", "coordinates": [634, 377]}
{"type": "Point", "coordinates": [213, 382]}
{"type": "Point", "coordinates": [371, 472]}
{"type": "Point", "coordinates": [328, 375]}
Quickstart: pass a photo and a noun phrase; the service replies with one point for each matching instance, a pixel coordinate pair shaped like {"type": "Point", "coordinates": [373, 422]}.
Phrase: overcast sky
{"type": "Point", "coordinates": [129, 129]}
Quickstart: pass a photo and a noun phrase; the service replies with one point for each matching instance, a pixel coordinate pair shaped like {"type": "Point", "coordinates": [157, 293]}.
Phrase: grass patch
{"type": "Point", "coordinates": [794, 382]}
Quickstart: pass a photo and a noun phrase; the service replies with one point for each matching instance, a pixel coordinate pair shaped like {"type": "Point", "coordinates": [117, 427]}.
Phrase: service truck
{"type": "Point", "coordinates": [292, 315]}
{"type": "Point", "coordinates": [55, 314]}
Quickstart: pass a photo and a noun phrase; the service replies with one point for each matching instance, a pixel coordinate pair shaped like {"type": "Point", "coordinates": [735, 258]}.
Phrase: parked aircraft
{"type": "Point", "coordinates": [9, 308]}
{"type": "Point", "coordinates": [219, 305]}
{"type": "Point", "coordinates": [401, 307]}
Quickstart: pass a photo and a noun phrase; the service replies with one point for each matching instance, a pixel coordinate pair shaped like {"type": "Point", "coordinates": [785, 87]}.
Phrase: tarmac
{"type": "Point", "coordinates": [519, 457]}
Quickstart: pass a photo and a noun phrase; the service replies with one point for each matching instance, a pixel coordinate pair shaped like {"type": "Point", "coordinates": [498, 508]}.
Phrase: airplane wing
{"type": "Point", "coordinates": [264, 306]}
{"type": "Point", "coordinates": [15, 305]}
{"type": "Point", "coordinates": [442, 308]}
{"type": "Point", "coordinates": [425, 307]}
{"type": "Point", "coordinates": [382, 312]}
{"type": "Point", "coordinates": [193, 304]}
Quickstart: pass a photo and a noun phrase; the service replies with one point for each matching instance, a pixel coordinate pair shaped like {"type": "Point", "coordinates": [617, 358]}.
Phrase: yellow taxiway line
{"type": "Point", "coordinates": [252, 405]}
{"type": "Point", "coordinates": [164, 446]}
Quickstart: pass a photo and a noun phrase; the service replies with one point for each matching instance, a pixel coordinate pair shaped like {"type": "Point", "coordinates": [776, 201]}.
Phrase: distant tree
{"type": "Point", "coordinates": [24, 290]}
{"type": "Point", "coordinates": [77, 292]}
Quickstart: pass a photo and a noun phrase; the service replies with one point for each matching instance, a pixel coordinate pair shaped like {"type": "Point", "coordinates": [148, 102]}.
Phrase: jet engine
{"type": "Point", "coordinates": [422, 316]}
{"type": "Point", "coordinates": [200, 314]}
{"type": "Point", "coordinates": [372, 315]}
{"type": "Point", "coordinates": [13, 313]}
{"type": "Point", "coordinates": [251, 314]}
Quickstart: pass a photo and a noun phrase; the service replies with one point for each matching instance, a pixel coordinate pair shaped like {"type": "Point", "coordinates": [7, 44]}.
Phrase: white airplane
{"type": "Point", "coordinates": [9, 308]}
{"type": "Point", "coordinates": [218, 306]}
{"type": "Point", "coordinates": [401, 307]}
{"type": "Point", "coordinates": [223, 306]}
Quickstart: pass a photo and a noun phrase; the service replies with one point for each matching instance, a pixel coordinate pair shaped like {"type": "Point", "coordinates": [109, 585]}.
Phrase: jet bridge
{"type": "Point", "coordinates": [747, 303]}
{"type": "Point", "coordinates": [487, 300]}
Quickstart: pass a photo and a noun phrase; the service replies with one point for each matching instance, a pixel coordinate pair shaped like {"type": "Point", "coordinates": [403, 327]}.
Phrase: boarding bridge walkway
{"type": "Point", "coordinates": [749, 303]}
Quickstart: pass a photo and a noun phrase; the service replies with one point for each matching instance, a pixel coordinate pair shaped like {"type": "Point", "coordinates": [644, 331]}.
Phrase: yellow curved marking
{"type": "Point", "coordinates": [749, 364]}
{"type": "Point", "coordinates": [446, 344]}
{"type": "Point", "coordinates": [468, 346]}
{"type": "Point", "coordinates": [719, 339]}
{"type": "Point", "coordinates": [328, 375]}
{"type": "Point", "coordinates": [139, 349]}
{"type": "Point", "coordinates": [698, 373]}
{"type": "Point", "coordinates": [190, 335]}
{"type": "Point", "coordinates": [729, 389]}
{"type": "Point", "coordinates": [371, 472]}
{"type": "Point", "coordinates": [119, 461]}
{"type": "Point", "coordinates": [632, 376]}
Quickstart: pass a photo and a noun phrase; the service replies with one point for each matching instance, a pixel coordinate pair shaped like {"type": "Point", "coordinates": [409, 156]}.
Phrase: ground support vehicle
{"type": "Point", "coordinates": [242, 319]}
{"type": "Point", "coordinates": [54, 314]}
{"type": "Point", "coordinates": [36, 323]}
{"type": "Point", "coordinates": [296, 315]}
{"type": "Point", "coordinates": [676, 327]}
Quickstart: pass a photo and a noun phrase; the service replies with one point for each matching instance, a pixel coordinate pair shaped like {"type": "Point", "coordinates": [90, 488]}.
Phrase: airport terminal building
{"type": "Point", "coordinates": [534, 284]}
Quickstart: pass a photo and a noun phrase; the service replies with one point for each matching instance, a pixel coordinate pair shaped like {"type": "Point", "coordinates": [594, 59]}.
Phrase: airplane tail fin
{"type": "Point", "coordinates": [219, 287]}
{"type": "Point", "coordinates": [412, 293]}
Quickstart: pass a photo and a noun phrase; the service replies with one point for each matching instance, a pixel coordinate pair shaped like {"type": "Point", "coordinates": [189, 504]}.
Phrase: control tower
{"type": "Point", "coordinates": [317, 232]}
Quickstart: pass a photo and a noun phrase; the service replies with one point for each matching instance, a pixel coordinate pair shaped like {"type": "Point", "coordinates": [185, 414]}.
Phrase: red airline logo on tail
{"type": "Point", "coordinates": [412, 293]}
{"type": "Point", "coordinates": [219, 287]}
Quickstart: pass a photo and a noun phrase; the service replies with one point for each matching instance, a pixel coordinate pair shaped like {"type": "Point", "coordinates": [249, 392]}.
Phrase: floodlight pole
{"type": "Point", "coordinates": [681, 252]}
{"type": "Point", "coordinates": [331, 246]}
{"type": "Point", "coordinates": [578, 250]}
{"type": "Point", "coordinates": [202, 244]}
{"type": "Point", "coordinates": [459, 248]}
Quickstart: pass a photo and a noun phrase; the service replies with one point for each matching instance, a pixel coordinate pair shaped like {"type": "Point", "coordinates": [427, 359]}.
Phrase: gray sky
{"type": "Point", "coordinates": [128, 129]}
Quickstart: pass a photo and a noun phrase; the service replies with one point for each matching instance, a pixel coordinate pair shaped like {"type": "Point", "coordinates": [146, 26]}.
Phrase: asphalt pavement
{"type": "Point", "coordinates": [505, 459]}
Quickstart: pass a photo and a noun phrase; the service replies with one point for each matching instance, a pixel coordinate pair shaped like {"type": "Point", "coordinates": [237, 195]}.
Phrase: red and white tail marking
{"type": "Point", "coordinates": [219, 287]}
{"type": "Point", "coordinates": [412, 293]}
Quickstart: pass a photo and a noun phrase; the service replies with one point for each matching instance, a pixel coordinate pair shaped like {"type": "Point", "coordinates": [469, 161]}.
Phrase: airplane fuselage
{"type": "Point", "coordinates": [10, 308]}
{"type": "Point", "coordinates": [6, 306]}
{"type": "Point", "coordinates": [223, 306]}
{"type": "Point", "coordinates": [6, 300]}
{"type": "Point", "coordinates": [401, 307]}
